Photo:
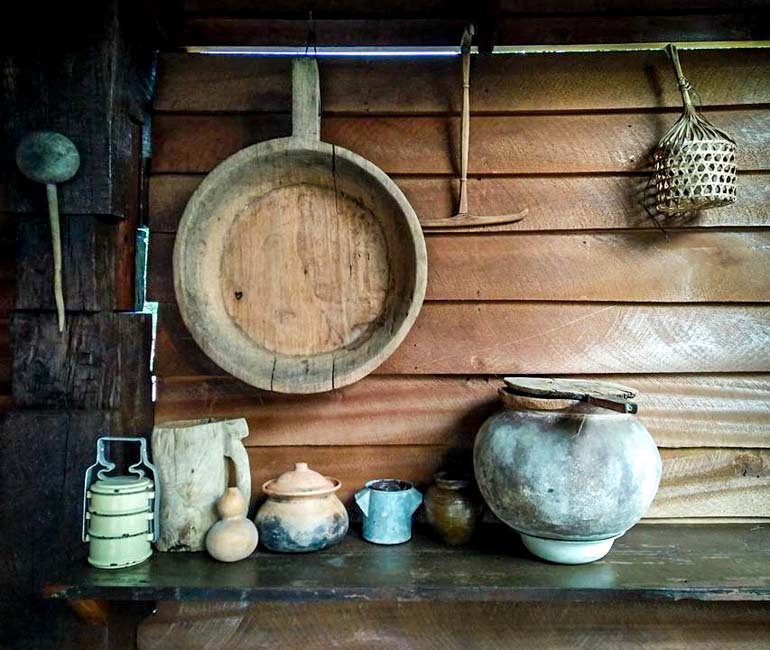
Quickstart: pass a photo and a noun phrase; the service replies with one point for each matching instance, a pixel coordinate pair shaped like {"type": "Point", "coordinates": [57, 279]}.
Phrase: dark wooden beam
{"type": "Point", "coordinates": [87, 79]}
{"type": "Point", "coordinates": [90, 75]}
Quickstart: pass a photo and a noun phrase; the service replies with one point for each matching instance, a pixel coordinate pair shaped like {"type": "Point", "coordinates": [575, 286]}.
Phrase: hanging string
{"type": "Point", "coordinates": [310, 39]}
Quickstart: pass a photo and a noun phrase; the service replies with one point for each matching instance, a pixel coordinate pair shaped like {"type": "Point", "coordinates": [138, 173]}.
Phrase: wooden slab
{"type": "Point", "coordinates": [678, 410]}
{"type": "Point", "coordinates": [714, 483]}
{"type": "Point", "coordinates": [695, 482]}
{"type": "Point", "coordinates": [501, 83]}
{"type": "Point", "coordinates": [457, 626]}
{"type": "Point", "coordinates": [546, 338]}
{"type": "Point", "coordinates": [648, 563]}
{"type": "Point", "coordinates": [513, 30]}
{"type": "Point", "coordinates": [553, 202]}
{"type": "Point", "coordinates": [575, 143]}
{"type": "Point", "coordinates": [680, 266]}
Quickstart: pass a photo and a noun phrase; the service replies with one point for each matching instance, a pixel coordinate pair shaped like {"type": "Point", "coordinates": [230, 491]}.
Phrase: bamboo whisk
{"type": "Point", "coordinates": [695, 161]}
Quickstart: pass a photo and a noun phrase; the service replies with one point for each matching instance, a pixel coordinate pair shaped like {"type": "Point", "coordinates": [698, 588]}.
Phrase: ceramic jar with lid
{"type": "Point", "coordinates": [567, 465]}
{"type": "Point", "coordinates": [453, 507]}
{"type": "Point", "coordinates": [302, 512]}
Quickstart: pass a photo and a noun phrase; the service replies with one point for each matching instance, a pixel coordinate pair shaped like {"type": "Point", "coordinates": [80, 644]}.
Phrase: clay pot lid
{"type": "Point", "coordinates": [301, 482]}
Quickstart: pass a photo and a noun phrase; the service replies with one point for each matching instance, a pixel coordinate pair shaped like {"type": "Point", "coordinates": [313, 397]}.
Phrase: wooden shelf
{"type": "Point", "coordinates": [651, 562]}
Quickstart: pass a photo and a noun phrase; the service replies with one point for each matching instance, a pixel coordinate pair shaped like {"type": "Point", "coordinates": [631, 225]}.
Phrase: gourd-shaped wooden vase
{"type": "Point", "coordinates": [234, 537]}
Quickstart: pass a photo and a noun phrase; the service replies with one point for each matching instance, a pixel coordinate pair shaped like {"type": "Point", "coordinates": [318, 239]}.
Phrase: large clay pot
{"type": "Point", "coordinates": [570, 476]}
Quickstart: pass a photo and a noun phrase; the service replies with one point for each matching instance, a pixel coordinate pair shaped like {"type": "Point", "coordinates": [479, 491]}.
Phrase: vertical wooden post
{"type": "Point", "coordinates": [91, 79]}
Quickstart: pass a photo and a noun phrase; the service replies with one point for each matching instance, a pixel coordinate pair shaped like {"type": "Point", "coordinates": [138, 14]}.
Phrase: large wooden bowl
{"type": "Point", "coordinates": [299, 266]}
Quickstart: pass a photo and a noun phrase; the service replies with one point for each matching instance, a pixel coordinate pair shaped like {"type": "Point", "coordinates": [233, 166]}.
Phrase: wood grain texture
{"type": "Point", "coordinates": [280, 301]}
{"type": "Point", "coordinates": [88, 261]}
{"type": "Point", "coordinates": [361, 8]}
{"type": "Point", "coordinates": [695, 482]}
{"type": "Point", "coordinates": [679, 267]}
{"type": "Point", "coordinates": [501, 84]}
{"type": "Point", "coordinates": [648, 563]}
{"type": "Point", "coordinates": [472, 338]}
{"type": "Point", "coordinates": [678, 410]}
{"type": "Point", "coordinates": [575, 143]}
{"type": "Point", "coordinates": [426, 626]}
{"type": "Point", "coordinates": [553, 202]}
{"type": "Point", "coordinates": [525, 30]}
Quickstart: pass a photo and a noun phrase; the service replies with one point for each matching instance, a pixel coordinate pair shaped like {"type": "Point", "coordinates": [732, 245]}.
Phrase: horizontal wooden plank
{"type": "Point", "coordinates": [695, 482]}
{"type": "Point", "coordinates": [500, 83]}
{"type": "Point", "coordinates": [446, 8]}
{"type": "Point", "coordinates": [679, 410]}
{"type": "Point", "coordinates": [679, 267]}
{"type": "Point", "coordinates": [418, 626]}
{"type": "Point", "coordinates": [552, 202]}
{"type": "Point", "coordinates": [574, 143]}
{"type": "Point", "coordinates": [510, 30]}
{"type": "Point", "coordinates": [713, 483]}
{"type": "Point", "coordinates": [545, 338]}
{"type": "Point", "coordinates": [573, 338]}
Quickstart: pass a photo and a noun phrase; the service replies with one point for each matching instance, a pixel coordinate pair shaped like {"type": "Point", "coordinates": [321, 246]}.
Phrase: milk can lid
{"type": "Point", "coordinates": [122, 485]}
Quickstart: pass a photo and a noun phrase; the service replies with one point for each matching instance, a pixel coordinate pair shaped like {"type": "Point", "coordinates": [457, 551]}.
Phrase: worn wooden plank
{"type": "Point", "coordinates": [473, 338]}
{"type": "Point", "coordinates": [552, 202]}
{"type": "Point", "coordinates": [425, 626]}
{"type": "Point", "coordinates": [582, 338]}
{"type": "Point", "coordinates": [678, 410]}
{"type": "Point", "coordinates": [361, 8]}
{"type": "Point", "coordinates": [511, 30]}
{"type": "Point", "coordinates": [88, 263]}
{"type": "Point", "coordinates": [724, 563]}
{"type": "Point", "coordinates": [101, 361]}
{"type": "Point", "coordinates": [501, 83]}
{"type": "Point", "coordinates": [695, 482]}
{"type": "Point", "coordinates": [714, 483]}
{"type": "Point", "coordinates": [41, 515]}
{"type": "Point", "coordinates": [678, 267]}
{"type": "Point", "coordinates": [85, 80]}
{"type": "Point", "coordinates": [574, 143]}
{"type": "Point", "coordinates": [278, 31]}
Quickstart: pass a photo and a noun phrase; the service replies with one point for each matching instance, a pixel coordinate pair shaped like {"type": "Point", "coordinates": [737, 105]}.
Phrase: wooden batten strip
{"type": "Point", "coordinates": [728, 410]}
{"type": "Point", "coordinates": [534, 144]}
{"type": "Point", "coordinates": [695, 482]}
{"type": "Point", "coordinates": [679, 267]}
{"type": "Point", "coordinates": [552, 202]}
{"type": "Point", "coordinates": [501, 84]}
{"type": "Point", "coordinates": [473, 338]}
{"type": "Point", "coordinates": [509, 29]}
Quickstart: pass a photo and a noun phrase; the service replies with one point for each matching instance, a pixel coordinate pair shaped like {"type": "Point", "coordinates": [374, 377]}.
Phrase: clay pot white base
{"type": "Point", "coordinates": [567, 552]}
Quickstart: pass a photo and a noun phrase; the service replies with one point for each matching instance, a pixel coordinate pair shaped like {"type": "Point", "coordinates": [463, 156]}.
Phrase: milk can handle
{"type": "Point", "coordinates": [107, 466]}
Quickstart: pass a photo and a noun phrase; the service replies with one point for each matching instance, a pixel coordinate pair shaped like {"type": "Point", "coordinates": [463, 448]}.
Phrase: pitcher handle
{"type": "Point", "coordinates": [240, 457]}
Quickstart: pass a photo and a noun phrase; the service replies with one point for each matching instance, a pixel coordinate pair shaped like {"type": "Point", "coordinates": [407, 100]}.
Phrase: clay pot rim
{"type": "Point", "coordinates": [453, 480]}
{"type": "Point", "coordinates": [268, 489]}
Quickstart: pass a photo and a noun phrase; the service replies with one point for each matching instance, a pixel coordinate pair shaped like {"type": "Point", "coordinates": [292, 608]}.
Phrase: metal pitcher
{"type": "Point", "coordinates": [388, 505]}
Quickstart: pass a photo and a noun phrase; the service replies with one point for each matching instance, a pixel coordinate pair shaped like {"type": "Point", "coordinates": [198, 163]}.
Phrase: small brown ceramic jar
{"type": "Point", "coordinates": [453, 507]}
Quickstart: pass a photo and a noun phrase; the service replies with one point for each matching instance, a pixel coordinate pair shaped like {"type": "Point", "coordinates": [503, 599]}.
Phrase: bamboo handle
{"type": "Point", "coordinates": [306, 98]}
{"type": "Point", "coordinates": [53, 216]}
{"type": "Point", "coordinates": [465, 136]}
{"type": "Point", "coordinates": [684, 85]}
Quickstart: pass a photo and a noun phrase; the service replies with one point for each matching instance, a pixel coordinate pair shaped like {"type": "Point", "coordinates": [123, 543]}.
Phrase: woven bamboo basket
{"type": "Point", "coordinates": [695, 161]}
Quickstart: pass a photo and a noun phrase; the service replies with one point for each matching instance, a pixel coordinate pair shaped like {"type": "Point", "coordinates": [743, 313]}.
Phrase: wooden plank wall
{"type": "Point", "coordinates": [586, 284]}
{"type": "Point", "coordinates": [7, 297]}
